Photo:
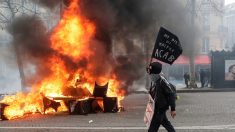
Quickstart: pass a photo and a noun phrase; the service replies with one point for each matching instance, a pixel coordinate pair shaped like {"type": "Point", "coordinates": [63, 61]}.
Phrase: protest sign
{"type": "Point", "coordinates": [167, 47]}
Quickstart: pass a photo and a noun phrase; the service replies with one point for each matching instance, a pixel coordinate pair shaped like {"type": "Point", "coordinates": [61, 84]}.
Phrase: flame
{"type": "Point", "coordinates": [49, 111]}
{"type": "Point", "coordinates": [72, 38]}
{"type": "Point", "coordinates": [21, 104]}
{"type": "Point", "coordinates": [73, 33]}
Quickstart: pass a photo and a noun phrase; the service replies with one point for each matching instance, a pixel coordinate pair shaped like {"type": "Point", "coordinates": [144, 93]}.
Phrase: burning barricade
{"type": "Point", "coordinates": [96, 102]}
{"type": "Point", "coordinates": [74, 105]}
{"type": "Point", "coordinates": [68, 61]}
{"type": "Point", "coordinates": [2, 108]}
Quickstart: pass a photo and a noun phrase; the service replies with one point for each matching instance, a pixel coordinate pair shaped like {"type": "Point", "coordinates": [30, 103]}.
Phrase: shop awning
{"type": "Point", "coordinates": [199, 60]}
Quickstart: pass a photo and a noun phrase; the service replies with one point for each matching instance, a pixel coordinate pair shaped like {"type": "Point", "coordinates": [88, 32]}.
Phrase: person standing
{"type": "Point", "coordinates": [202, 78]}
{"type": "Point", "coordinates": [186, 79]}
{"type": "Point", "coordinates": [163, 96]}
{"type": "Point", "coordinates": [206, 78]}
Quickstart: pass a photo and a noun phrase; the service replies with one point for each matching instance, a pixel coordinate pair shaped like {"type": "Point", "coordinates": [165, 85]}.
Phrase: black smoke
{"type": "Point", "coordinates": [51, 4]}
{"type": "Point", "coordinates": [125, 34]}
{"type": "Point", "coordinates": [127, 21]}
{"type": "Point", "coordinates": [32, 40]}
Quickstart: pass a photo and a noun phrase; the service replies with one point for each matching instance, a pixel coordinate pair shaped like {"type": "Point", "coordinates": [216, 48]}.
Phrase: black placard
{"type": "Point", "coordinates": [167, 47]}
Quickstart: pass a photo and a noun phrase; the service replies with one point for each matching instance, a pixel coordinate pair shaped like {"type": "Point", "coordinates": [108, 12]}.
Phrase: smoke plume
{"type": "Point", "coordinates": [48, 3]}
{"type": "Point", "coordinates": [31, 39]}
{"type": "Point", "coordinates": [126, 31]}
{"type": "Point", "coordinates": [126, 21]}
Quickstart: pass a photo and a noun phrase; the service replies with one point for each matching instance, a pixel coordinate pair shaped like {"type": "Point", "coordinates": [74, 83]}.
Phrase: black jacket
{"type": "Point", "coordinates": [163, 95]}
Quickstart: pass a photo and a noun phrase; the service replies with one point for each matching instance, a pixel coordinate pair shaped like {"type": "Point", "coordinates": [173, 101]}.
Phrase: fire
{"type": "Point", "coordinates": [71, 38]}
{"type": "Point", "coordinates": [73, 33]}
{"type": "Point", "coordinates": [21, 104]}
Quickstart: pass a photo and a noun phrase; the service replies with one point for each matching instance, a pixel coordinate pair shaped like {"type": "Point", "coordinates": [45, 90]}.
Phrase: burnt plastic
{"type": "Point", "coordinates": [110, 104]}
{"type": "Point", "coordinates": [100, 91]}
{"type": "Point", "coordinates": [2, 107]}
{"type": "Point", "coordinates": [80, 107]}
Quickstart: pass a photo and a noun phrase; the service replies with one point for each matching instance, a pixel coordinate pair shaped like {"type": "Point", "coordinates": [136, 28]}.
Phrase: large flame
{"type": "Point", "coordinates": [73, 33]}
{"type": "Point", "coordinates": [72, 38]}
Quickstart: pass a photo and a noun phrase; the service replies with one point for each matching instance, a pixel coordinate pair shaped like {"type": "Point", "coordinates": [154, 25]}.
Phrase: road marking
{"type": "Point", "coordinates": [220, 127]}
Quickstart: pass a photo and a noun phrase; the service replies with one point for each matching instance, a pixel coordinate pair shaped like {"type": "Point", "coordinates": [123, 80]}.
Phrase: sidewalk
{"type": "Point", "coordinates": [180, 87]}
{"type": "Point", "coordinates": [193, 90]}
{"type": "Point", "coordinates": [197, 90]}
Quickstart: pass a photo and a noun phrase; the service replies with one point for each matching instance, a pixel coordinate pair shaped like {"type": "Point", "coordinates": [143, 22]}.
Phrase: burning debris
{"type": "Point", "coordinates": [98, 102]}
{"type": "Point", "coordinates": [47, 104]}
{"type": "Point", "coordinates": [64, 64]}
{"type": "Point", "coordinates": [2, 108]}
{"type": "Point", "coordinates": [67, 63]}
{"type": "Point", "coordinates": [81, 107]}
{"type": "Point", "coordinates": [100, 91]}
{"type": "Point", "coordinates": [91, 104]}
{"type": "Point", "coordinates": [110, 104]}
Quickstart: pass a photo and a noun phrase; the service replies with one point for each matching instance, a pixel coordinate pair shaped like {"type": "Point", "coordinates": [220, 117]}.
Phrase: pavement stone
{"type": "Point", "coordinates": [208, 109]}
{"type": "Point", "coordinates": [196, 90]}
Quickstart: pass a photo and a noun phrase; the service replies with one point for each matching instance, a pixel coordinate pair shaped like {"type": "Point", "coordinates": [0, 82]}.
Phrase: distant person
{"type": "Point", "coordinates": [186, 79]}
{"type": "Point", "coordinates": [202, 78]}
{"type": "Point", "coordinates": [206, 78]}
{"type": "Point", "coordinates": [163, 96]}
{"type": "Point", "coordinates": [231, 73]}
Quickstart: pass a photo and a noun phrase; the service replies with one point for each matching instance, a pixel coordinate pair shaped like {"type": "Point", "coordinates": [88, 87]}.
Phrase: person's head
{"type": "Point", "coordinates": [232, 69]}
{"type": "Point", "coordinates": [155, 68]}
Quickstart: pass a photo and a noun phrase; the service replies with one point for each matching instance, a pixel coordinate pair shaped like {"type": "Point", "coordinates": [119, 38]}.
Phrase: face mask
{"type": "Point", "coordinates": [154, 77]}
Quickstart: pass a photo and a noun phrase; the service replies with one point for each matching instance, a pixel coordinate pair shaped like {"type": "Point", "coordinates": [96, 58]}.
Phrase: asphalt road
{"type": "Point", "coordinates": [196, 112]}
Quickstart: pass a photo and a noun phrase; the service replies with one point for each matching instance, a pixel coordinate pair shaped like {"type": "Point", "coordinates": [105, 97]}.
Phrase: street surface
{"type": "Point", "coordinates": [196, 112]}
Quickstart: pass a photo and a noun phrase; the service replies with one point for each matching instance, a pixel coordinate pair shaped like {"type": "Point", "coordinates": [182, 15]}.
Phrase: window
{"type": "Point", "coordinates": [205, 45]}
{"type": "Point", "coordinates": [206, 22]}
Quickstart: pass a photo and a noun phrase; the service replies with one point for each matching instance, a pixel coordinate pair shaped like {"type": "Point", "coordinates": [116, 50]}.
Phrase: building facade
{"type": "Point", "coordinates": [212, 25]}
{"type": "Point", "coordinates": [208, 17]}
{"type": "Point", "coordinates": [229, 19]}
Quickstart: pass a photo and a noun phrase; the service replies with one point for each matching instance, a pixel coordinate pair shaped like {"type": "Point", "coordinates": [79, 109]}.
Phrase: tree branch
{"type": "Point", "coordinates": [4, 16]}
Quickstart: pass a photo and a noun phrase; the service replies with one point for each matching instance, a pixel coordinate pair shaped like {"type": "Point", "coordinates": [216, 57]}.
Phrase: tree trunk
{"type": "Point", "coordinates": [192, 73]}
{"type": "Point", "coordinates": [17, 51]}
{"type": "Point", "coordinates": [20, 66]}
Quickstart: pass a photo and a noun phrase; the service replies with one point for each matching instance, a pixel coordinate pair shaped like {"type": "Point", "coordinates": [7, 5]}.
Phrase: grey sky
{"type": "Point", "coordinates": [229, 1]}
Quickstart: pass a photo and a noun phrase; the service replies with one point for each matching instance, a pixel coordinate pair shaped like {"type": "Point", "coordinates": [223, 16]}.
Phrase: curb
{"type": "Point", "coordinates": [198, 90]}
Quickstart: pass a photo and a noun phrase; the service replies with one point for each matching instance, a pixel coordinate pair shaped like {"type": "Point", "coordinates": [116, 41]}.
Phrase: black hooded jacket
{"type": "Point", "coordinates": [163, 95]}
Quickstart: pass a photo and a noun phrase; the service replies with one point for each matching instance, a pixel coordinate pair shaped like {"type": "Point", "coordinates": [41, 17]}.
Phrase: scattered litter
{"type": "Point", "coordinates": [90, 121]}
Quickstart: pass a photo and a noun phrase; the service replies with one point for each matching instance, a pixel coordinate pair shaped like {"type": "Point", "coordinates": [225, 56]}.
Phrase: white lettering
{"type": "Point", "coordinates": [168, 42]}
{"type": "Point", "coordinates": [167, 47]}
{"type": "Point", "coordinates": [161, 54]}
{"type": "Point", "coordinates": [171, 58]}
{"type": "Point", "coordinates": [166, 36]}
{"type": "Point", "coordinates": [158, 53]}
{"type": "Point", "coordinates": [165, 55]}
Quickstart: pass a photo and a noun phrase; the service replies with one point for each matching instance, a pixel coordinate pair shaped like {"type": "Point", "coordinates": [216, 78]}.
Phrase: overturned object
{"type": "Point", "coordinates": [77, 92]}
{"type": "Point", "coordinates": [48, 103]}
{"type": "Point", "coordinates": [100, 91]}
{"type": "Point", "coordinates": [110, 104]}
{"type": "Point", "coordinates": [81, 107]}
{"type": "Point", "coordinates": [2, 108]}
{"type": "Point", "coordinates": [93, 105]}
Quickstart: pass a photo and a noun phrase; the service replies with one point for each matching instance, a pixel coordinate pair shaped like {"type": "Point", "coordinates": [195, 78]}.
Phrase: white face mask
{"type": "Point", "coordinates": [154, 77]}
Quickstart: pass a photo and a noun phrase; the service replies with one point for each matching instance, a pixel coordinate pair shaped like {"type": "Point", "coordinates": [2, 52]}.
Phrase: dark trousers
{"type": "Point", "coordinates": [186, 82]}
{"type": "Point", "coordinates": [202, 82]}
{"type": "Point", "coordinates": [160, 118]}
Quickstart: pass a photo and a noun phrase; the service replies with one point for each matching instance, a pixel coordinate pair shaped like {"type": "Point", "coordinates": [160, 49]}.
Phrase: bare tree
{"type": "Point", "coordinates": [9, 9]}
